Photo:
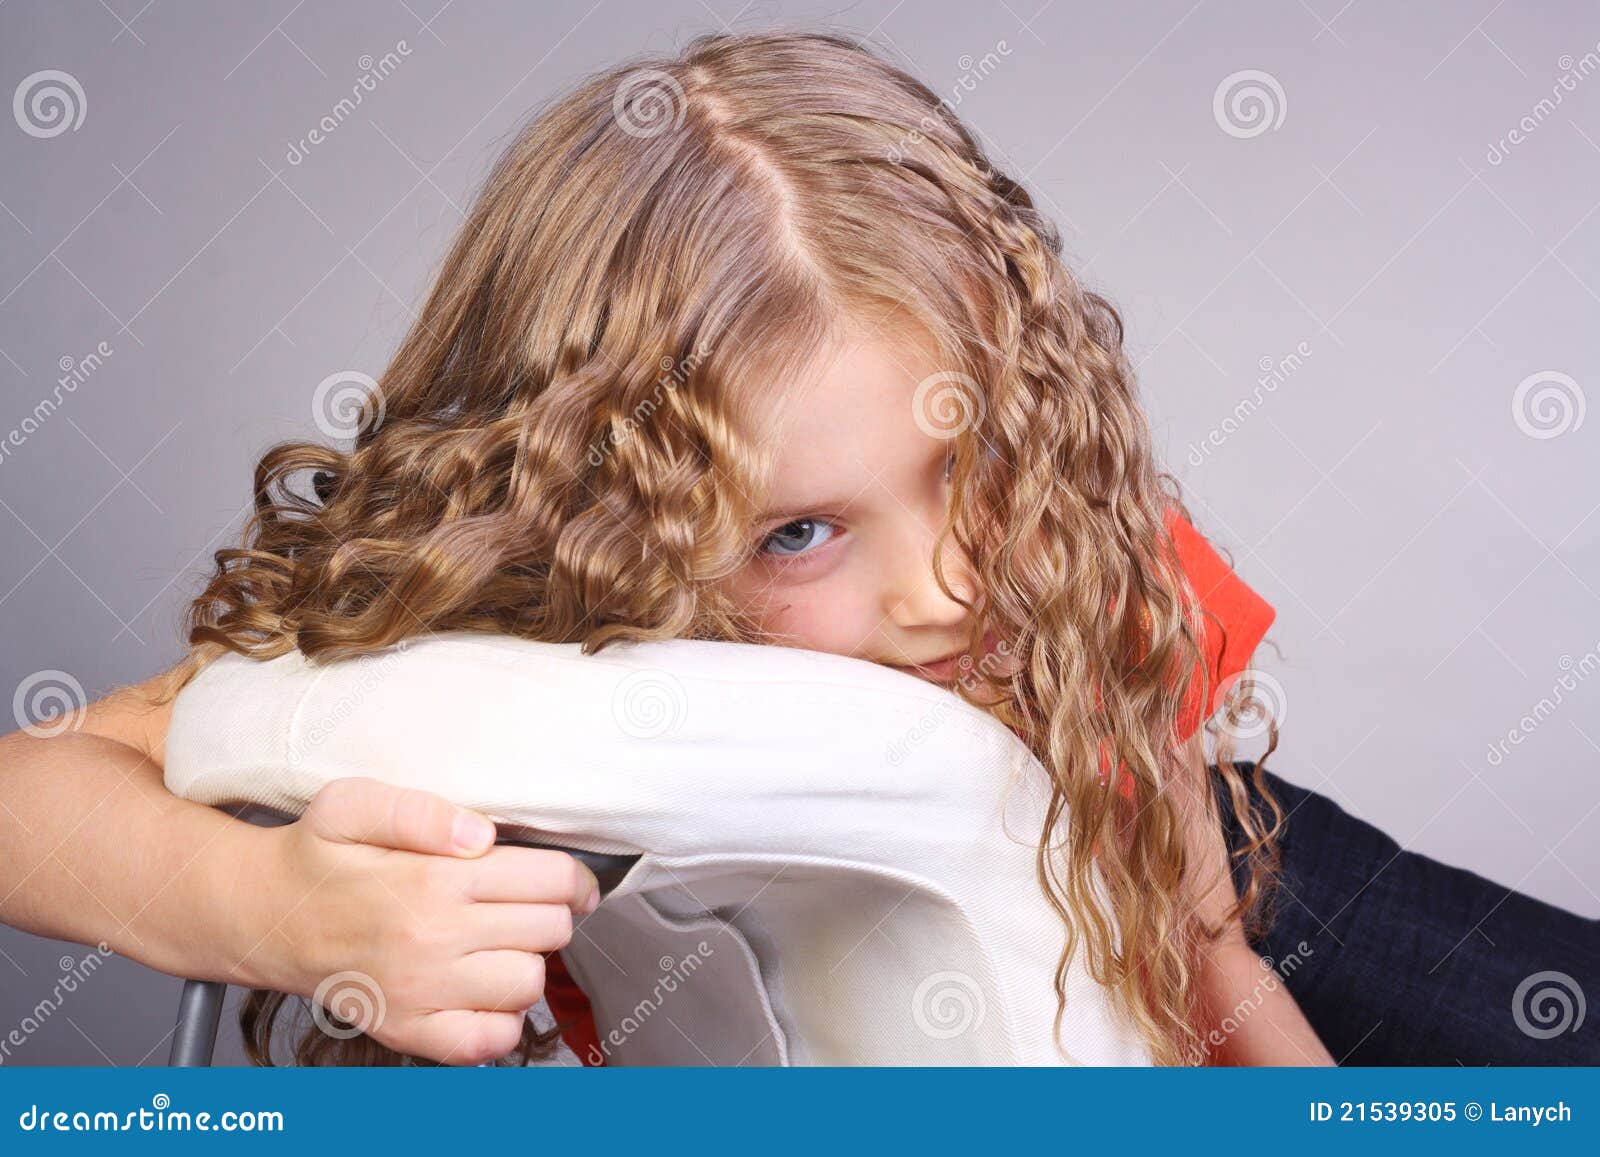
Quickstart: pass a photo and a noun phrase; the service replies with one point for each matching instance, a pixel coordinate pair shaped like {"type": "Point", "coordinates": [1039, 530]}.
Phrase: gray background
{"type": "Point", "coordinates": [1435, 565]}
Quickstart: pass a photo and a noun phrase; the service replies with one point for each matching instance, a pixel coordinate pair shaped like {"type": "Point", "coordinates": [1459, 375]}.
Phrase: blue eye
{"type": "Point", "coordinates": [797, 537]}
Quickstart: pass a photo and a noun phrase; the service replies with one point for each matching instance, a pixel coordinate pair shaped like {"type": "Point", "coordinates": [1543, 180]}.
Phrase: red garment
{"type": "Point", "coordinates": [1234, 619]}
{"type": "Point", "coordinates": [571, 1009]}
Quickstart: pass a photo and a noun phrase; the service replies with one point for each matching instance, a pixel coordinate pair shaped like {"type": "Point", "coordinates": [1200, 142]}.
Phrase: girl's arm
{"type": "Point", "coordinates": [97, 850]}
{"type": "Point", "coordinates": [1254, 1019]}
{"type": "Point", "coordinates": [1259, 1021]}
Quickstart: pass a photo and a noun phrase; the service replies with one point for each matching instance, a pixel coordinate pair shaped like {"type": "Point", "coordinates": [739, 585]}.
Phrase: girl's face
{"type": "Point", "coordinates": [858, 497]}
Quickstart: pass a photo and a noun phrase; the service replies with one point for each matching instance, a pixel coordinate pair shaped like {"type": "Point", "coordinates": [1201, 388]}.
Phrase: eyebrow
{"type": "Point", "coordinates": [830, 503]}
{"type": "Point", "coordinates": [801, 509]}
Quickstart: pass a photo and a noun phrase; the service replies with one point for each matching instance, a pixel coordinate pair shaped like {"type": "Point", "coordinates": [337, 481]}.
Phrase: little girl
{"type": "Point", "coordinates": [756, 344]}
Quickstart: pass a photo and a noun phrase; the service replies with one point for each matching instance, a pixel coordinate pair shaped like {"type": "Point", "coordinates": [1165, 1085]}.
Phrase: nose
{"type": "Point", "coordinates": [913, 598]}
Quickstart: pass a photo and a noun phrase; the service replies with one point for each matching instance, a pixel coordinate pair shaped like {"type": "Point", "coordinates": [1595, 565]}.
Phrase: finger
{"type": "Point", "coordinates": [463, 1037]}
{"type": "Point", "coordinates": [495, 980]}
{"type": "Point", "coordinates": [362, 810]}
{"type": "Point", "coordinates": [533, 876]}
{"type": "Point", "coordinates": [522, 927]}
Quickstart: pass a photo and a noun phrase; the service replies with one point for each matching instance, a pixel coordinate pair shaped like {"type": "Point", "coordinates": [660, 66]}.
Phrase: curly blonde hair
{"type": "Point", "coordinates": [565, 448]}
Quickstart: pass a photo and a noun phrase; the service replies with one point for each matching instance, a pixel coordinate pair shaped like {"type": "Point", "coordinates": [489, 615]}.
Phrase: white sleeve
{"type": "Point", "coordinates": [674, 747]}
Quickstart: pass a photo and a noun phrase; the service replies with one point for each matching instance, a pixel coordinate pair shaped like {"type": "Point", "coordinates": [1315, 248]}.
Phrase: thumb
{"type": "Point", "coordinates": [362, 810]}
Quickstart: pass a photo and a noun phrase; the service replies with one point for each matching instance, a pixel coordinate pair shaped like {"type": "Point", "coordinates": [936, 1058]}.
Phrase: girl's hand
{"type": "Point", "coordinates": [443, 935]}
{"type": "Point", "coordinates": [370, 881]}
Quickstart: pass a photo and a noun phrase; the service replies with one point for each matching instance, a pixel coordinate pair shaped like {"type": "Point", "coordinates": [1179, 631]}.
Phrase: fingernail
{"type": "Point", "coordinates": [471, 831]}
{"type": "Point", "coordinates": [593, 901]}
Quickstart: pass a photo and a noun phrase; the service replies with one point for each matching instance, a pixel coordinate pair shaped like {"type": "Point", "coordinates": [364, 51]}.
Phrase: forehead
{"type": "Point", "coordinates": [850, 417]}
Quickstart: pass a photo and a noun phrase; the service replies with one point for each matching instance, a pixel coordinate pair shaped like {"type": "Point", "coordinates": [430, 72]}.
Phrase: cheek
{"type": "Point", "coordinates": [822, 615]}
